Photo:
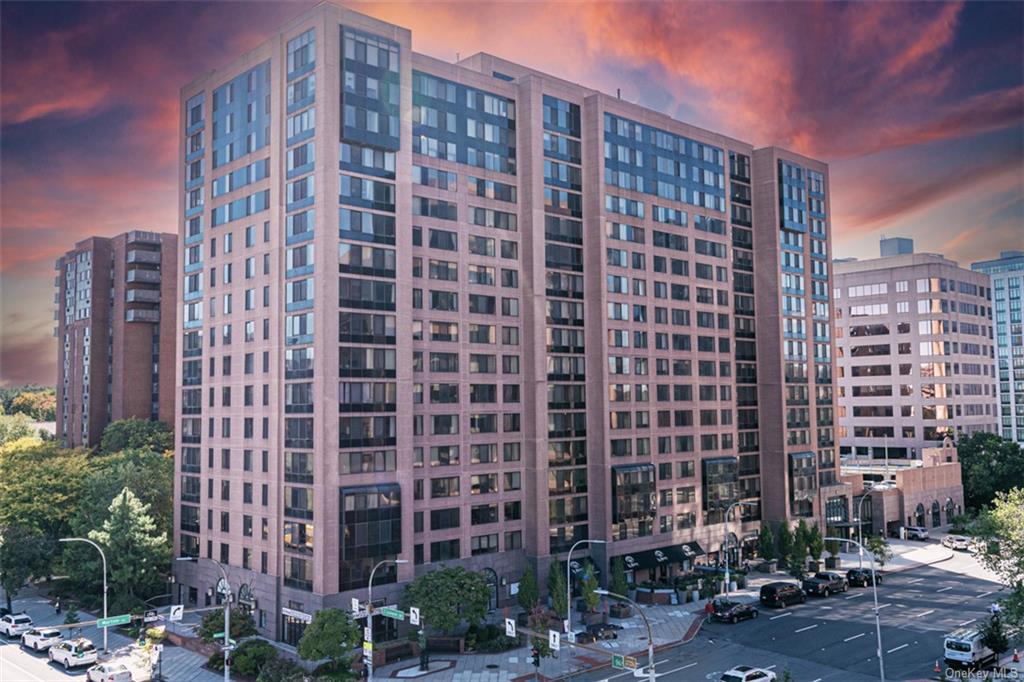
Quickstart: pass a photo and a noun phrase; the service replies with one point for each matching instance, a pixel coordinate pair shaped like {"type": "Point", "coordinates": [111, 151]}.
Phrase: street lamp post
{"type": "Point", "coordinates": [104, 558]}
{"type": "Point", "coordinates": [725, 543]}
{"type": "Point", "coordinates": [227, 611]}
{"type": "Point", "coordinates": [651, 677]}
{"type": "Point", "coordinates": [874, 591]}
{"type": "Point", "coordinates": [568, 581]}
{"type": "Point", "coordinates": [369, 603]}
{"type": "Point", "coordinates": [860, 530]}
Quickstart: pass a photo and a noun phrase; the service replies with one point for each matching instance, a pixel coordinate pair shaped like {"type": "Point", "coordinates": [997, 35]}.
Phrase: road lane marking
{"type": "Point", "coordinates": [770, 667]}
{"type": "Point", "coordinates": [966, 622]}
{"type": "Point", "coordinates": [858, 594]}
{"type": "Point", "coordinates": [984, 594]}
{"type": "Point", "coordinates": [781, 615]}
{"type": "Point", "coordinates": [945, 588]}
{"type": "Point", "coordinates": [809, 627]}
{"type": "Point", "coordinates": [915, 580]}
{"type": "Point", "coordinates": [669, 672]}
{"type": "Point", "coordinates": [850, 639]}
{"type": "Point", "coordinates": [924, 613]}
{"type": "Point", "coordinates": [826, 608]}
{"type": "Point", "coordinates": [817, 680]}
{"type": "Point", "coordinates": [901, 646]}
{"type": "Point", "coordinates": [882, 606]}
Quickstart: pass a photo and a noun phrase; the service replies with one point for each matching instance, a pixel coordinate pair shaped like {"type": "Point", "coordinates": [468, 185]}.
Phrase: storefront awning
{"type": "Point", "coordinates": [650, 558]}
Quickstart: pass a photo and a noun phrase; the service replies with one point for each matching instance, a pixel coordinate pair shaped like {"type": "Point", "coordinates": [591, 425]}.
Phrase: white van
{"type": "Point", "coordinates": [963, 648]}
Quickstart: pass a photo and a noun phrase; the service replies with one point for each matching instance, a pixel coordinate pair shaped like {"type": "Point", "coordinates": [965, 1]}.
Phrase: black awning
{"type": "Point", "coordinates": [577, 567]}
{"type": "Point", "coordinates": [658, 557]}
{"type": "Point", "coordinates": [691, 549]}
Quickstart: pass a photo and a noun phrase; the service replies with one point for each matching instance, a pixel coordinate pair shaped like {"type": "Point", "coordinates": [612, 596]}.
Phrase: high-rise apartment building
{"type": "Point", "coordinates": [473, 314]}
{"type": "Point", "coordinates": [1006, 272]}
{"type": "Point", "coordinates": [916, 360]}
{"type": "Point", "coordinates": [116, 303]}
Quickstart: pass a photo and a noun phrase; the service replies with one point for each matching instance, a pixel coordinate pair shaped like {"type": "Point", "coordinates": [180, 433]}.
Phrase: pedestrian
{"type": "Point", "coordinates": [56, 606]}
{"type": "Point", "coordinates": [709, 609]}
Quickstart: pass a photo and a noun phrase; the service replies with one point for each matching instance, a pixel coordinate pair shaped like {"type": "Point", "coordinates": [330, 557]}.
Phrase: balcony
{"type": "Point", "coordinates": [140, 256]}
{"type": "Point", "coordinates": [141, 315]}
{"type": "Point", "coordinates": [143, 237]}
{"type": "Point", "coordinates": [144, 276]}
{"type": "Point", "coordinates": [142, 296]}
{"type": "Point", "coordinates": [299, 584]}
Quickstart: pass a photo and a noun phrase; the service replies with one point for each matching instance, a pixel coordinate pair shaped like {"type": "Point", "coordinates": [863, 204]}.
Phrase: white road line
{"type": "Point", "coordinates": [915, 580]}
{"type": "Point", "coordinates": [945, 588]}
{"type": "Point", "coordinates": [882, 606]}
{"type": "Point", "coordinates": [817, 680]}
{"type": "Point", "coordinates": [984, 594]}
{"type": "Point", "coordinates": [924, 613]}
{"type": "Point", "coordinates": [858, 594]}
{"type": "Point", "coordinates": [809, 627]}
{"type": "Point", "coordinates": [770, 667]}
{"type": "Point", "coordinates": [966, 622]}
{"type": "Point", "coordinates": [669, 672]}
{"type": "Point", "coordinates": [781, 615]}
{"type": "Point", "coordinates": [850, 639]}
{"type": "Point", "coordinates": [901, 646]}
{"type": "Point", "coordinates": [826, 608]}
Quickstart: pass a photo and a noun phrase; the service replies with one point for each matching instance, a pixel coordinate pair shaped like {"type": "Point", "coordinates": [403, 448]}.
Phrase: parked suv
{"type": "Point", "coordinates": [72, 653]}
{"type": "Point", "coordinates": [732, 611]}
{"type": "Point", "coordinates": [861, 577]}
{"type": "Point", "coordinates": [782, 594]}
{"type": "Point", "coordinates": [825, 583]}
{"type": "Point", "coordinates": [109, 672]}
{"type": "Point", "coordinates": [15, 624]}
{"type": "Point", "coordinates": [916, 532]}
{"type": "Point", "coordinates": [958, 542]}
{"type": "Point", "coordinates": [39, 639]}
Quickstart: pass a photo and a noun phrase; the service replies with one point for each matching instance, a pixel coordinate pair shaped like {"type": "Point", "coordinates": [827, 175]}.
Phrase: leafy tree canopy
{"type": "Point", "coordinates": [331, 635]}
{"type": "Point", "coordinates": [989, 465]}
{"type": "Point", "coordinates": [136, 434]}
{"type": "Point", "coordinates": [529, 593]}
{"type": "Point", "coordinates": [556, 588]}
{"type": "Point", "coordinates": [448, 596]}
{"type": "Point", "coordinates": [1003, 529]}
{"type": "Point", "coordinates": [14, 427]}
{"type": "Point", "coordinates": [24, 553]}
{"type": "Point", "coordinates": [815, 543]}
{"type": "Point", "coordinates": [242, 625]}
{"type": "Point", "coordinates": [619, 584]}
{"type": "Point", "coordinates": [878, 546]}
{"type": "Point", "coordinates": [40, 406]}
{"type": "Point", "coordinates": [766, 543]}
{"type": "Point", "coordinates": [784, 541]}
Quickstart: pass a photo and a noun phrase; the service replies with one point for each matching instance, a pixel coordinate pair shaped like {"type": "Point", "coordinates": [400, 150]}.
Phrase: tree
{"type": "Point", "coordinates": [136, 434]}
{"type": "Point", "coordinates": [619, 584]}
{"type": "Point", "coordinates": [784, 541]}
{"type": "Point", "coordinates": [71, 615]}
{"type": "Point", "coordinates": [1002, 531]}
{"type": "Point", "coordinates": [23, 553]}
{"type": "Point", "coordinates": [877, 545]}
{"type": "Point", "coordinates": [538, 622]}
{"type": "Point", "coordinates": [766, 543]}
{"type": "Point", "coordinates": [14, 427]}
{"type": "Point", "coordinates": [989, 465]}
{"type": "Point", "coordinates": [448, 596]}
{"type": "Point", "coordinates": [137, 552]}
{"type": "Point", "coordinates": [815, 543]}
{"type": "Point", "coordinates": [832, 546]}
{"type": "Point", "coordinates": [331, 635]}
{"type": "Point", "coordinates": [993, 634]}
{"type": "Point", "coordinates": [587, 586]}
{"type": "Point", "coordinates": [796, 561]}
{"type": "Point", "coordinates": [802, 533]}
{"type": "Point", "coordinates": [242, 625]}
{"type": "Point", "coordinates": [529, 593]}
{"type": "Point", "coordinates": [556, 589]}
{"type": "Point", "coordinates": [40, 406]}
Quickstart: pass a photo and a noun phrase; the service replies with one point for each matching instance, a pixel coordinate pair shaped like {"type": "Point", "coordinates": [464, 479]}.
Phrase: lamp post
{"type": "Point", "coordinates": [651, 677]}
{"type": "Point", "coordinates": [227, 610]}
{"type": "Point", "coordinates": [104, 558]}
{"type": "Point", "coordinates": [725, 543]}
{"type": "Point", "coordinates": [568, 580]}
{"type": "Point", "coordinates": [874, 591]}
{"type": "Point", "coordinates": [369, 604]}
{"type": "Point", "coordinates": [860, 530]}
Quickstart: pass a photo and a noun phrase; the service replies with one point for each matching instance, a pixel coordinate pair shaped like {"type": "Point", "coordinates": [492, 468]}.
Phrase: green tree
{"type": "Point", "coordinates": [1002, 530]}
{"type": "Point", "coordinates": [832, 546]}
{"type": "Point", "coordinates": [815, 543]}
{"type": "Point", "coordinates": [802, 533]}
{"type": "Point", "coordinates": [71, 615]}
{"type": "Point", "coordinates": [281, 670]}
{"type": "Point", "coordinates": [993, 634]}
{"type": "Point", "coordinates": [529, 593]}
{"type": "Point", "coordinates": [138, 552]}
{"type": "Point", "coordinates": [619, 584]}
{"type": "Point", "coordinates": [989, 465]}
{"type": "Point", "coordinates": [448, 596]}
{"type": "Point", "coordinates": [784, 541]}
{"type": "Point", "coordinates": [878, 546]}
{"type": "Point", "coordinates": [136, 434]}
{"type": "Point", "coordinates": [796, 561]}
{"type": "Point", "coordinates": [242, 625]}
{"type": "Point", "coordinates": [14, 427]}
{"type": "Point", "coordinates": [331, 635]}
{"type": "Point", "coordinates": [766, 543]}
{"type": "Point", "coordinates": [556, 589]}
{"type": "Point", "coordinates": [588, 583]}
{"type": "Point", "coordinates": [38, 405]}
{"type": "Point", "coordinates": [23, 554]}
{"type": "Point", "coordinates": [538, 622]}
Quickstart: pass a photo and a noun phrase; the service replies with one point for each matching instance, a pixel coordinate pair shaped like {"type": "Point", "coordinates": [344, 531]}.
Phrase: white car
{"type": "Point", "coordinates": [746, 673]}
{"type": "Point", "coordinates": [72, 653]}
{"type": "Point", "coordinates": [916, 532]}
{"type": "Point", "coordinates": [15, 624]}
{"type": "Point", "coordinates": [39, 639]}
{"type": "Point", "coordinates": [109, 672]}
{"type": "Point", "coordinates": [958, 542]}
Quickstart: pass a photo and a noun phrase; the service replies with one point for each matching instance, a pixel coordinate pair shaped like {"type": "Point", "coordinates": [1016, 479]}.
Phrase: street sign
{"type": "Point", "coordinates": [629, 662]}
{"type": "Point", "coordinates": [510, 627]}
{"type": "Point", "coordinates": [389, 612]}
{"type": "Point", "coordinates": [368, 634]}
{"type": "Point", "coordinates": [177, 611]}
{"type": "Point", "coordinates": [414, 615]}
{"type": "Point", "coordinates": [617, 661]}
{"type": "Point", "coordinates": [114, 620]}
{"type": "Point", "coordinates": [150, 617]}
{"type": "Point", "coordinates": [570, 636]}
{"type": "Point", "coordinates": [554, 640]}
{"type": "Point", "coordinates": [367, 651]}
{"type": "Point", "coordinates": [355, 605]}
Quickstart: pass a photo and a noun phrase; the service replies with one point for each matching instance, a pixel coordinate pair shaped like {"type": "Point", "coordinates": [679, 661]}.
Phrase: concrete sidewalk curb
{"type": "Point", "coordinates": [691, 633]}
{"type": "Point", "coordinates": [919, 564]}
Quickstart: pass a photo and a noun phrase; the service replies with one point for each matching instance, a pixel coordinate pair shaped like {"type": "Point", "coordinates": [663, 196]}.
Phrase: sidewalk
{"type": "Point", "coordinates": [906, 554]}
{"type": "Point", "coordinates": [670, 625]}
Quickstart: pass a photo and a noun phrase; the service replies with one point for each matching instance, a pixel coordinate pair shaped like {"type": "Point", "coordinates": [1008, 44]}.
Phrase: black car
{"type": "Point", "coordinates": [861, 577]}
{"type": "Point", "coordinates": [604, 630]}
{"type": "Point", "coordinates": [732, 611]}
{"type": "Point", "coordinates": [824, 584]}
{"type": "Point", "coordinates": [782, 594]}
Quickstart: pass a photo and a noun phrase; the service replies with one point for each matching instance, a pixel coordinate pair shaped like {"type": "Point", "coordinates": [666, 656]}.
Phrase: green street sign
{"type": "Point", "coordinates": [618, 662]}
{"type": "Point", "coordinates": [392, 613]}
{"type": "Point", "coordinates": [114, 620]}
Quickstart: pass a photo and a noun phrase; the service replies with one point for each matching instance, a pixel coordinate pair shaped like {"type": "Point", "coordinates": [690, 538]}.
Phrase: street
{"type": "Point", "coordinates": [834, 638]}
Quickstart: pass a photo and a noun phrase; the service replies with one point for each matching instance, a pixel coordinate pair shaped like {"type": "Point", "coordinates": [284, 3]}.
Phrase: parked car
{"type": "Point", "coordinates": [782, 594]}
{"type": "Point", "coordinates": [957, 542]}
{"type": "Point", "coordinates": [732, 611]}
{"type": "Point", "coordinates": [72, 653]}
{"type": "Point", "coordinates": [604, 630]}
{"type": "Point", "coordinates": [825, 583]}
{"type": "Point", "coordinates": [916, 532]}
{"type": "Point", "coordinates": [861, 577]}
{"type": "Point", "coordinates": [39, 639]}
{"type": "Point", "coordinates": [109, 672]}
{"type": "Point", "coordinates": [963, 648]}
{"type": "Point", "coordinates": [746, 673]}
{"type": "Point", "coordinates": [15, 624]}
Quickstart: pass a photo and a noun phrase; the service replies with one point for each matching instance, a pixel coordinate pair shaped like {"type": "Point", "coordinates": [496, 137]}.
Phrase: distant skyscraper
{"type": "Point", "coordinates": [115, 330]}
{"type": "Point", "coordinates": [1007, 273]}
{"type": "Point", "coordinates": [913, 333]}
{"type": "Point", "coordinates": [896, 246]}
{"type": "Point", "coordinates": [440, 311]}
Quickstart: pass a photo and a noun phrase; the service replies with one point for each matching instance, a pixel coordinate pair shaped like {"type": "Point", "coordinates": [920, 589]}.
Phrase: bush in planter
{"type": "Point", "coordinates": [335, 673]}
{"type": "Point", "coordinates": [281, 670]}
{"type": "Point", "coordinates": [528, 594]}
{"type": "Point", "coordinates": [251, 656]}
{"type": "Point", "coordinates": [619, 584]}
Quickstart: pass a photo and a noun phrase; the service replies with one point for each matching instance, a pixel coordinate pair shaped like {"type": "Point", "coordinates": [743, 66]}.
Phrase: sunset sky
{"type": "Point", "coordinates": [917, 107]}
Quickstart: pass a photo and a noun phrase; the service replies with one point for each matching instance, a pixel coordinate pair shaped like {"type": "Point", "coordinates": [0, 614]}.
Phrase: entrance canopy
{"type": "Point", "coordinates": [658, 557]}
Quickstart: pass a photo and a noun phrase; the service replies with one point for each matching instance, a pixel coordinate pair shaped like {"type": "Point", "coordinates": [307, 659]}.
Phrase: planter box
{"type": "Point", "coordinates": [815, 566]}
{"type": "Point", "coordinates": [768, 566]}
{"type": "Point", "coordinates": [592, 618]}
{"type": "Point", "coordinates": [655, 596]}
{"type": "Point", "coordinates": [620, 611]}
{"type": "Point", "coordinates": [831, 562]}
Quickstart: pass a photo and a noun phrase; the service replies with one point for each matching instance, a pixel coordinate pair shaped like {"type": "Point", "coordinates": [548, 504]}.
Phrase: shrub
{"type": "Point", "coordinates": [280, 670]}
{"type": "Point", "coordinates": [251, 656]}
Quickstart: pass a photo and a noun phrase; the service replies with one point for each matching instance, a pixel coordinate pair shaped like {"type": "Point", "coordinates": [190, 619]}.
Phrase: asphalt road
{"type": "Point", "coordinates": [17, 664]}
{"type": "Point", "coordinates": [834, 638]}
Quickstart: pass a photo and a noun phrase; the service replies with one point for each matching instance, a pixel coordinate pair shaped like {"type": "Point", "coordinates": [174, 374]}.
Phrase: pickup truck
{"type": "Point", "coordinates": [825, 583]}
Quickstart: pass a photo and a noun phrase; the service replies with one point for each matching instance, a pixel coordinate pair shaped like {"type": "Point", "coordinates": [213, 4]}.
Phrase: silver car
{"type": "Point", "coordinates": [40, 639]}
{"type": "Point", "coordinates": [958, 542]}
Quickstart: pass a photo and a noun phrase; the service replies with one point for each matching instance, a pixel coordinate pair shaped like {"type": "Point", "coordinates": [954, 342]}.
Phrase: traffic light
{"type": "Point", "coordinates": [229, 660]}
{"type": "Point", "coordinates": [535, 652]}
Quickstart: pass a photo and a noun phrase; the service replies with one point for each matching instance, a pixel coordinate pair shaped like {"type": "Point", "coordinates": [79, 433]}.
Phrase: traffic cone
{"type": "Point", "coordinates": [937, 668]}
{"type": "Point", "coordinates": [1016, 656]}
